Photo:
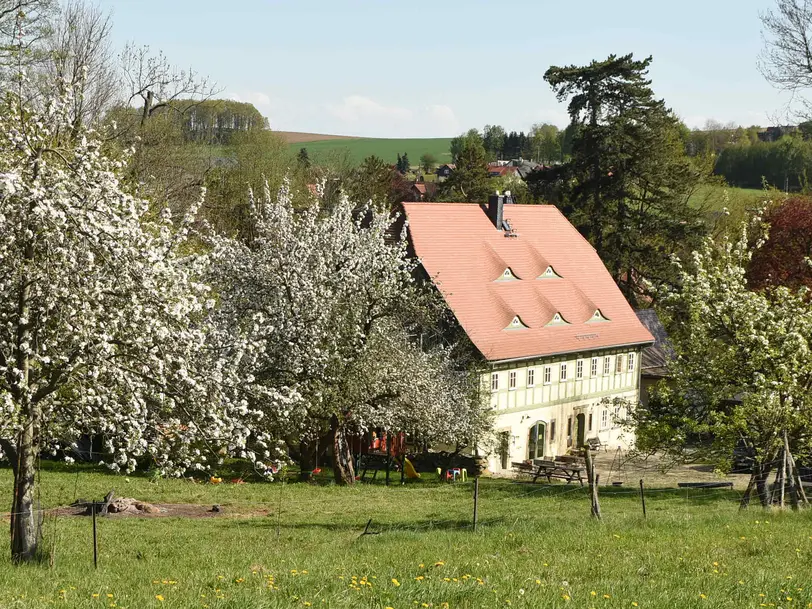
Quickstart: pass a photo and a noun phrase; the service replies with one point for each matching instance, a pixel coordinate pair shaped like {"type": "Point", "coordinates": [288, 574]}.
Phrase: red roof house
{"type": "Point", "coordinates": [521, 280]}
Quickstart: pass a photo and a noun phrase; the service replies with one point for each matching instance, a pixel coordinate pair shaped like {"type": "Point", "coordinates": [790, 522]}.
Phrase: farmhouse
{"type": "Point", "coordinates": [558, 339]}
{"type": "Point", "coordinates": [443, 171]}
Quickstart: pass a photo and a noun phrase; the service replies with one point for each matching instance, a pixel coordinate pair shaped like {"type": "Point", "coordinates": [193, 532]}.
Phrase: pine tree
{"type": "Point", "coordinates": [629, 178]}
{"type": "Point", "coordinates": [406, 165]}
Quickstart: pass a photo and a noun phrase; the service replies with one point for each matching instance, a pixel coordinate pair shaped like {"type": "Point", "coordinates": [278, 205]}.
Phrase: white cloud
{"type": "Point", "coordinates": [358, 109]}
{"type": "Point", "coordinates": [261, 101]}
{"type": "Point", "coordinates": [361, 115]}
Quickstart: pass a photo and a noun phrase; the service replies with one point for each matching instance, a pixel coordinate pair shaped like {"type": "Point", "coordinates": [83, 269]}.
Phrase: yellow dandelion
{"type": "Point", "coordinates": [607, 596]}
{"type": "Point", "coordinates": [395, 582]}
{"type": "Point", "coordinates": [702, 596]}
{"type": "Point", "coordinates": [95, 595]}
{"type": "Point", "coordinates": [439, 563]}
{"type": "Point", "coordinates": [634, 603]}
{"type": "Point", "coordinates": [159, 597]}
{"type": "Point", "coordinates": [566, 597]}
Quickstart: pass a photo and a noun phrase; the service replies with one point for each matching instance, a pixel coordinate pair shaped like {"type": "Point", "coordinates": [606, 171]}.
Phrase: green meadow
{"type": "Point", "coordinates": [300, 545]}
{"type": "Point", "coordinates": [385, 148]}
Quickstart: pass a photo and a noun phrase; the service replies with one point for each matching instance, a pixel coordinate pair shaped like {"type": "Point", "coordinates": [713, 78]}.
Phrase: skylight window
{"type": "Point", "coordinates": [516, 324]}
{"type": "Point", "coordinates": [558, 320]}
{"type": "Point", "coordinates": [549, 273]}
{"type": "Point", "coordinates": [507, 275]}
{"type": "Point", "coordinates": [598, 316]}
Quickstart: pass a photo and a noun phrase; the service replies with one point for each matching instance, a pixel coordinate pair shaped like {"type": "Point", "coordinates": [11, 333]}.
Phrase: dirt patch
{"type": "Point", "coordinates": [296, 137]}
{"type": "Point", "coordinates": [162, 510]}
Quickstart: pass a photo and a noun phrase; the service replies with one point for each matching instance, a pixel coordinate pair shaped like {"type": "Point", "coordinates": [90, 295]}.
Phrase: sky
{"type": "Point", "coordinates": [434, 69]}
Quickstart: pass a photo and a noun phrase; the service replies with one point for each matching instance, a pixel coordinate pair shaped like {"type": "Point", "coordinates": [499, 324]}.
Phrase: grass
{"type": "Point", "coordinates": [385, 148]}
{"type": "Point", "coordinates": [712, 198]}
{"type": "Point", "coordinates": [536, 547]}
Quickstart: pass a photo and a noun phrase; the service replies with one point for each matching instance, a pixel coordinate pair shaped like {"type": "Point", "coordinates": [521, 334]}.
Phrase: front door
{"type": "Point", "coordinates": [536, 440]}
{"type": "Point", "coordinates": [581, 433]}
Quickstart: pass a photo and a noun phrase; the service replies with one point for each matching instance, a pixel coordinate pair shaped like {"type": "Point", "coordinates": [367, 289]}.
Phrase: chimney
{"type": "Point", "coordinates": [496, 204]}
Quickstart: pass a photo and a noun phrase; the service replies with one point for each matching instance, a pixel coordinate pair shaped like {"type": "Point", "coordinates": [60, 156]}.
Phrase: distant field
{"type": "Point", "coordinates": [297, 137]}
{"type": "Point", "coordinates": [385, 148]}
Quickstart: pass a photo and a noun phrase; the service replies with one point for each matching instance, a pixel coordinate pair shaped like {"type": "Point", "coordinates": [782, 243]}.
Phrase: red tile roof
{"type": "Point", "coordinates": [466, 257]}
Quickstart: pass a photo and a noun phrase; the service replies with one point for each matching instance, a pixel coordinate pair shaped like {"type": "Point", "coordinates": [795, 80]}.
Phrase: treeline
{"type": "Point", "coordinates": [214, 121]}
{"type": "Point", "coordinates": [544, 143]}
{"type": "Point", "coordinates": [785, 164]}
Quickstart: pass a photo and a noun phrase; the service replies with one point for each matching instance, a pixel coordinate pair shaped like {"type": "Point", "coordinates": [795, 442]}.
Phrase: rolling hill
{"type": "Point", "coordinates": [361, 147]}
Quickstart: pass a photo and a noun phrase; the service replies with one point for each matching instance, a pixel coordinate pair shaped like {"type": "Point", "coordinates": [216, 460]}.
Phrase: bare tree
{"type": "Point", "coordinates": [158, 84]}
{"type": "Point", "coordinates": [80, 59]}
{"type": "Point", "coordinates": [786, 59]}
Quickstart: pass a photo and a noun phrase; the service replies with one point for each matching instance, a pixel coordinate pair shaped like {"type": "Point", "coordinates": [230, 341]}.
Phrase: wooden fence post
{"type": "Point", "coordinates": [95, 541]}
{"type": "Point", "coordinates": [593, 484]}
{"type": "Point", "coordinates": [642, 498]}
{"type": "Point", "coordinates": [476, 501]}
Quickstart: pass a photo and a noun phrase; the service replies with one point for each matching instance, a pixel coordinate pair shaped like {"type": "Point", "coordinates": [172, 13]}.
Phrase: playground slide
{"type": "Point", "coordinates": [411, 472]}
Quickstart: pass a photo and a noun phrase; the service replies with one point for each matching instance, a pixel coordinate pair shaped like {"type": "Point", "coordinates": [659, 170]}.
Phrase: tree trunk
{"type": "Point", "coordinates": [790, 474]}
{"type": "Point", "coordinates": [147, 107]}
{"type": "Point", "coordinates": [26, 517]}
{"type": "Point", "coordinates": [799, 484]}
{"type": "Point", "coordinates": [761, 484]}
{"type": "Point", "coordinates": [745, 502]}
{"type": "Point", "coordinates": [343, 469]}
{"type": "Point", "coordinates": [306, 460]}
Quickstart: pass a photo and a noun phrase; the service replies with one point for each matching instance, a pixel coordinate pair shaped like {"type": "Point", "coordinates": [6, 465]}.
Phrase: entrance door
{"type": "Point", "coordinates": [581, 433]}
{"type": "Point", "coordinates": [537, 440]}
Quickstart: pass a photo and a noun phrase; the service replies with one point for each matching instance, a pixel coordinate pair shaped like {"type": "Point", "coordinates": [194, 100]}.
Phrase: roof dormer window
{"type": "Point", "coordinates": [598, 316]}
{"type": "Point", "coordinates": [516, 324]}
{"type": "Point", "coordinates": [558, 320]}
{"type": "Point", "coordinates": [507, 275]}
{"type": "Point", "coordinates": [549, 273]}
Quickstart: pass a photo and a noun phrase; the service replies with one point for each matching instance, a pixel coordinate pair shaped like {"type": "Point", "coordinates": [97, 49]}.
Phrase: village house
{"type": "Point", "coordinates": [558, 338]}
{"type": "Point", "coordinates": [445, 170]}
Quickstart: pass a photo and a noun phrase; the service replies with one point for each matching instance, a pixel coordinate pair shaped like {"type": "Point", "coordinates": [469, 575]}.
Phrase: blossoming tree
{"type": "Point", "coordinates": [743, 368]}
{"type": "Point", "coordinates": [325, 301]}
{"type": "Point", "coordinates": [102, 318]}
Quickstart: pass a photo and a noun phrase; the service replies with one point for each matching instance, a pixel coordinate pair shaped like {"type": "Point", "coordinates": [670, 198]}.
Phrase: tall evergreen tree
{"type": "Point", "coordinates": [628, 179]}
{"type": "Point", "coordinates": [406, 165]}
{"type": "Point", "coordinates": [469, 181]}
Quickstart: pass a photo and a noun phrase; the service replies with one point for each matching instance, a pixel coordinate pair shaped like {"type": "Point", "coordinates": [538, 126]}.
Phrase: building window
{"type": "Point", "coordinates": [579, 369]}
{"type": "Point", "coordinates": [631, 362]}
{"type": "Point", "coordinates": [606, 364]}
{"type": "Point", "coordinates": [616, 420]}
{"type": "Point", "coordinates": [512, 380]}
{"type": "Point", "coordinates": [594, 371]}
{"type": "Point", "coordinates": [589, 424]}
{"type": "Point", "coordinates": [548, 375]}
{"type": "Point", "coordinates": [552, 430]}
{"type": "Point", "coordinates": [535, 444]}
{"type": "Point", "coordinates": [563, 375]}
{"type": "Point", "coordinates": [569, 427]}
{"type": "Point", "coordinates": [604, 418]}
{"type": "Point", "coordinates": [618, 363]}
{"type": "Point", "coordinates": [495, 381]}
{"type": "Point", "coordinates": [531, 377]}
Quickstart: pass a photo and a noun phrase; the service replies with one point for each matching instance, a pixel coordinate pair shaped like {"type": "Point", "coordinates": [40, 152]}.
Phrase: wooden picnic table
{"type": "Point", "coordinates": [543, 468]}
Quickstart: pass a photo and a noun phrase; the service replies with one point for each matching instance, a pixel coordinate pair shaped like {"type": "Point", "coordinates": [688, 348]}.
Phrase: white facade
{"type": "Point", "coordinates": [563, 400]}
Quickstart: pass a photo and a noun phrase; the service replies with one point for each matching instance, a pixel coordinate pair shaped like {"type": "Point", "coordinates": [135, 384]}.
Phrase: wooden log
{"type": "Point", "coordinates": [593, 484]}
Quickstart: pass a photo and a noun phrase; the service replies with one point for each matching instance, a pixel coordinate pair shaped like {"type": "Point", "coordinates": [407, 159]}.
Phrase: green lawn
{"type": "Point", "coordinates": [736, 200]}
{"type": "Point", "coordinates": [536, 547]}
{"type": "Point", "coordinates": [385, 148]}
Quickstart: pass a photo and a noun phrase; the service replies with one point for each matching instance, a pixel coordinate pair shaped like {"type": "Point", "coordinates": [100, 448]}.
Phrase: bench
{"type": "Point", "coordinates": [705, 484]}
{"type": "Point", "coordinates": [375, 463]}
{"type": "Point", "coordinates": [595, 444]}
